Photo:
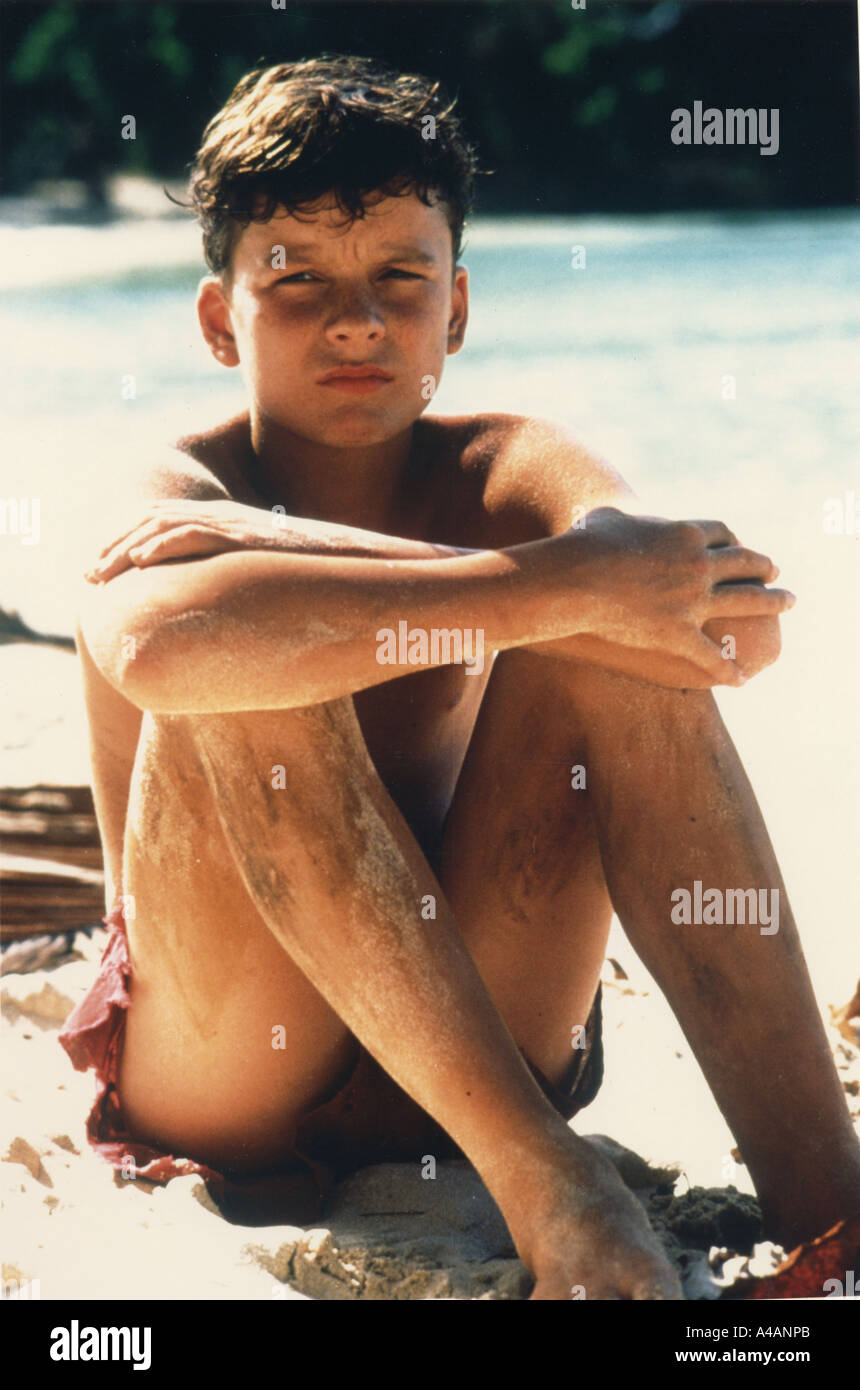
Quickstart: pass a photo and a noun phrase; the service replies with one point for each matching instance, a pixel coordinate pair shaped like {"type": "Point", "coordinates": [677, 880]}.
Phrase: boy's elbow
{"type": "Point", "coordinates": [139, 652]}
{"type": "Point", "coordinates": [137, 664]}
{"type": "Point", "coordinates": [172, 666]}
{"type": "Point", "coordinates": [143, 673]}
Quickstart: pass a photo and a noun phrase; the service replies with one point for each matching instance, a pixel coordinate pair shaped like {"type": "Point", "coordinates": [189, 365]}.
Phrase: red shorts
{"type": "Point", "coordinates": [367, 1119]}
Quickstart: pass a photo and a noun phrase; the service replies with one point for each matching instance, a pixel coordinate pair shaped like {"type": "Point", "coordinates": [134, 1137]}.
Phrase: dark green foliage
{"type": "Point", "coordinates": [570, 108]}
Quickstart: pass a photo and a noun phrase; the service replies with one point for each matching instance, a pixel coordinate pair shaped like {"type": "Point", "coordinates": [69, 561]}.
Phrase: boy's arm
{"type": "Point", "coordinates": [543, 480]}
{"type": "Point", "coordinates": [185, 505]}
{"type": "Point", "coordinates": [257, 630]}
{"type": "Point", "coordinates": [178, 529]}
{"type": "Point", "coordinates": [199, 636]}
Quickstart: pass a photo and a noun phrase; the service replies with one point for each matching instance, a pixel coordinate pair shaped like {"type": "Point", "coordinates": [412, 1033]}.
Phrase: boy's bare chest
{"type": "Point", "coordinates": [417, 727]}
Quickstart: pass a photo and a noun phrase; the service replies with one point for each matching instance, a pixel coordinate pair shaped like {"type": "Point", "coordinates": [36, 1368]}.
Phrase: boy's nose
{"type": "Point", "coordinates": [356, 319]}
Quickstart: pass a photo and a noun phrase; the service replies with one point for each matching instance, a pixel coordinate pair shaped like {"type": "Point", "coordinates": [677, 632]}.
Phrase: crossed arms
{"type": "Point", "coordinates": [205, 605]}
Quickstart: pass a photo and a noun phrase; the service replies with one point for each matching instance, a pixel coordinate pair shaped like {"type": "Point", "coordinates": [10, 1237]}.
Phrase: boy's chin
{"type": "Point", "coordinates": [351, 431]}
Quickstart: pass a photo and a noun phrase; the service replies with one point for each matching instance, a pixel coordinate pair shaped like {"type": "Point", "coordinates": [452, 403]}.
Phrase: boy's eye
{"type": "Point", "coordinates": [307, 276]}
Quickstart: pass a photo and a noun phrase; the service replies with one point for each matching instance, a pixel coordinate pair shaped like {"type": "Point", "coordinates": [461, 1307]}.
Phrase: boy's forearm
{"type": "Point", "coordinates": [193, 528]}
{"type": "Point", "coordinates": [310, 537]}
{"type": "Point", "coordinates": [256, 630]}
{"type": "Point", "coordinates": [756, 644]}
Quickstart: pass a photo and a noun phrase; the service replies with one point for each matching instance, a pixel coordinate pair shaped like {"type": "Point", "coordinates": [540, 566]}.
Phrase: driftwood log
{"type": "Point", "coordinates": [51, 866]}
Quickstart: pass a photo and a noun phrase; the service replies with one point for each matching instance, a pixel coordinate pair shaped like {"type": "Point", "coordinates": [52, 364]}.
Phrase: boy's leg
{"type": "Point", "coordinates": [334, 872]}
{"type": "Point", "coordinates": [520, 862]}
{"type": "Point", "coordinates": [666, 802]}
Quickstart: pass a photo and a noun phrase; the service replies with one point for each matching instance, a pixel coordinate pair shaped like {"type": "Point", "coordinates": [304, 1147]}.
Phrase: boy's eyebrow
{"type": "Point", "coordinates": [405, 252]}
{"type": "Point", "coordinates": [307, 250]}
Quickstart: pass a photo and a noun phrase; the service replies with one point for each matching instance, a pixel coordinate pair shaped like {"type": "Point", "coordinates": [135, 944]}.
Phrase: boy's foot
{"type": "Point", "coordinates": [589, 1238]}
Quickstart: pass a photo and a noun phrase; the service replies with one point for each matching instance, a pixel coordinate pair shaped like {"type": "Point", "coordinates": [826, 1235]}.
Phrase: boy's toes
{"type": "Point", "coordinates": [658, 1284]}
{"type": "Point", "coordinates": [665, 1292]}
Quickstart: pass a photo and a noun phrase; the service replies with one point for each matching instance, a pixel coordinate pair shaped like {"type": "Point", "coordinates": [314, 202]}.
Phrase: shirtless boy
{"type": "Point", "coordinates": [370, 861]}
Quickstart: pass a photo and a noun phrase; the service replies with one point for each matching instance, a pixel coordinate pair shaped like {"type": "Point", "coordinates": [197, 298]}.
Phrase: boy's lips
{"type": "Point", "coordinates": [356, 379]}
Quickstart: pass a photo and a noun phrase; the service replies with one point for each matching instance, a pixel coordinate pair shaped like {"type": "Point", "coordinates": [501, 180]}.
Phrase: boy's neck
{"type": "Point", "coordinates": [356, 485]}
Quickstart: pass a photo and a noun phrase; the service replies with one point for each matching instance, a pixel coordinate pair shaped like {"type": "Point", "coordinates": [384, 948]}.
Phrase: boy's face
{"type": "Point", "coordinates": [381, 293]}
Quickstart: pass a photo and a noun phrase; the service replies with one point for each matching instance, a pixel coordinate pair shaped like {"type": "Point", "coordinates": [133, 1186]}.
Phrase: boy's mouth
{"type": "Point", "coordinates": [356, 379]}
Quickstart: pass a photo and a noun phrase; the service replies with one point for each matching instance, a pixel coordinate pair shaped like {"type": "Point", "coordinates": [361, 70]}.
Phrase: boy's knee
{"type": "Point", "coordinates": [274, 750]}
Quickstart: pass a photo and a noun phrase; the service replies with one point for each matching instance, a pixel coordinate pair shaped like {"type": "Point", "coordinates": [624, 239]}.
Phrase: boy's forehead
{"type": "Point", "coordinates": [391, 226]}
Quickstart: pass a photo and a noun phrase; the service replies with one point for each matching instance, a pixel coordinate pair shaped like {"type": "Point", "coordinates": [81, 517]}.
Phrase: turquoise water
{"type": "Point", "coordinates": [636, 351]}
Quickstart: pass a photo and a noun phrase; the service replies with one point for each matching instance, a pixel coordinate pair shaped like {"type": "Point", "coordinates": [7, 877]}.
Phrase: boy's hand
{"type": "Point", "coordinates": [184, 530]}
{"type": "Point", "coordinates": [656, 584]}
{"type": "Point", "coordinates": [177, 530]}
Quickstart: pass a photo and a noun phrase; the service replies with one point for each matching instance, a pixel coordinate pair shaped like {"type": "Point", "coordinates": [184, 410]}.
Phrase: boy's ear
{"type": "Point", "coordinates": [213, 312]}
{"type": "Point", "coordinates": [459, 309]}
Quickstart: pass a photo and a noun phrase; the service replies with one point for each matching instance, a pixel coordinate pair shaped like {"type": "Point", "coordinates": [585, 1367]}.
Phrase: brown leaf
{"type": "Point", "coordinates": [804, 1273]}
{"type": "Point", "coordinates": [19, 1151]}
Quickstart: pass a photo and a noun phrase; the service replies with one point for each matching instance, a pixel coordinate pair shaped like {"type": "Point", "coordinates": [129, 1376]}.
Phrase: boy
{"type": "Point", "coordinates": [370, 904]}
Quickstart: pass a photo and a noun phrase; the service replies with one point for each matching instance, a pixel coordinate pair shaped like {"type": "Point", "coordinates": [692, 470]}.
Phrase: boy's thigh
{"type": "Point", "coordinates": [220, 1070]}
{"type": "Point", "coordinates": [226, 1039]}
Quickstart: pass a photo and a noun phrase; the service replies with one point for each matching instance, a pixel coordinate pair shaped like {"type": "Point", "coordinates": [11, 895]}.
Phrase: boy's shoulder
{"type": "Point", "coordinates": [216, 459]}
{"type": "Point", "coordinates": [530, 473]}
{"type": "Point", "coordinates": [514, 477]}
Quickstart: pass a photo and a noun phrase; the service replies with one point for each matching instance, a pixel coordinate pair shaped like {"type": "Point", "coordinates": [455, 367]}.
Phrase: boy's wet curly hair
{"type": "Point", "coordinates": [337, 124]}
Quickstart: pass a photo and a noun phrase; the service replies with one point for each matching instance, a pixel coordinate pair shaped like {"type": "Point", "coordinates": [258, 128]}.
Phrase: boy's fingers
{"type": "Point", "coordinates": [117, 540]}
{"type": "Point", "coordinates": [114, 559]}
{"type": "Point", "coordinates": [165, 526]}
{"type": "Point", "coordinates": [748, 601]}
{"type": "Point", "coordinates": [108, 568]}
{"type": "Point", "coordinates": [659, 1282]}
{"type": "Point", "coordinates": [146, 523]}
{"type": "Point", "coordinates": [664, 1290]}
{"type": "Point", "coordinates": [161, 516]}
{"type": "Point", "coordinates": [737, 561]}
{"type": "Point", "coordinates": [716, 533]}
{"type": "Point", "coordinates": [178, 542]}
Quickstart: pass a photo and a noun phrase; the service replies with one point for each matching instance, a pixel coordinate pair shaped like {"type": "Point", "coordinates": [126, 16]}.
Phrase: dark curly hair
{"type": "Point", "coordinates": [291, 134]}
